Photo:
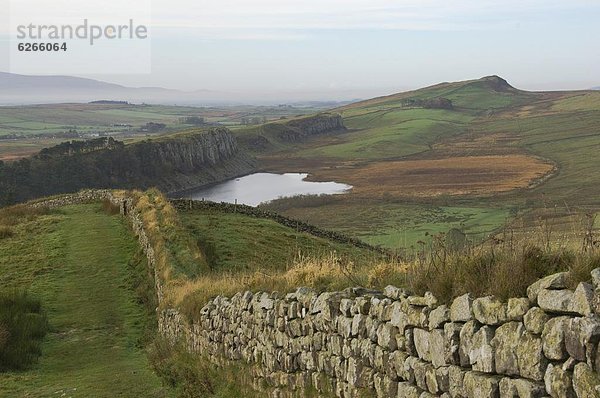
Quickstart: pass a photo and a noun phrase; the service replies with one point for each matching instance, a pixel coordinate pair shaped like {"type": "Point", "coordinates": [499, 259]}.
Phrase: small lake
{"type": "Point", "coordinates": [257, 188]}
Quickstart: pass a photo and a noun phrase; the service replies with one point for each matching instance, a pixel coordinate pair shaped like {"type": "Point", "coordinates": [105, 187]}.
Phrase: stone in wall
{"type": "Point", "coordinates": [586, 383]}
{"type": "Point", "coordinates": [558, 382]}
{"type": "Point", "coordinates": [481, 355]}
{"type": "Point", "coordinates": [551, 282]}
{"type": "Point", "coordinates": [505, 343]}
{"type": "Point", "coordinates": [582, 337]}
{"type": "Point", "coordinates": [478, 385]}
{"type": "Point", "coordinates": [535, 320]}
{"type": "Point", "coordinates": [532, 363]}
{"type": "Point", "coordinates": [521, 388]}
{"type": "Point", "coordinates": [490, 311]}
{"type": "Point", "coordinates": [553, 338]}
{"type": "Point", "coordinates": [461, 309]}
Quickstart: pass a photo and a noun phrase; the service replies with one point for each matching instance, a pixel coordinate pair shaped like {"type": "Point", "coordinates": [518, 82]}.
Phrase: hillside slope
{"type": "Point", "coordinates": [472, 155]}
{"type": "Point", "coordinates": [78, 256]}
{"type": "Point", "coordinates": [473, 95]}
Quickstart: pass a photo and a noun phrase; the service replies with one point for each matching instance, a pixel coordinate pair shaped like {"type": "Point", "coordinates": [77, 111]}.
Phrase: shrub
{"type": "Point", "coordinates": [386, 273]}
{"type": "Point", "coordinates": [14, 215]}
{"type": "Point", "coordinates": [5, 232]}
{"type": "Point", "coordinates": [23, 324]}
{"type": "Point", "coordinates": [110, 208]}
{"type": "Point", "coordinates": [582, 266]}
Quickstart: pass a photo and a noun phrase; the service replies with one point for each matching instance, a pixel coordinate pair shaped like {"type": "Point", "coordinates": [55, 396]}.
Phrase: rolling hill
{"type": "Point", "coordinates": [475, 155]}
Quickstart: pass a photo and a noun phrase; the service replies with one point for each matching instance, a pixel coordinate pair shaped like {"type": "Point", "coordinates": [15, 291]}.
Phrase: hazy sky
{"type": "Point", "coordinates": [347, 47]}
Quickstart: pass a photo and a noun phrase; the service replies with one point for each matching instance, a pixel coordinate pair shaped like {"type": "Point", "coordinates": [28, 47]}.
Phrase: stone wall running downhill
{"type": "Point", "coordinates": [300, 226]}
{"type": "Point", "coordinates": [393, 344]}
{"type": "Point", "coordinates": [404, 346]}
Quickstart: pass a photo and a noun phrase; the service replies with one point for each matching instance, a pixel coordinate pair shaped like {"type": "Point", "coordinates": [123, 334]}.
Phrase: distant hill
{"type": "Point", "coordinates": [22, 89]}
{"type": "Point", "coordinates": [488, 92]}
{"type": "Point", "coordinates": [11, 81]}
{"type": "Point", "coordinates": [27, 90]}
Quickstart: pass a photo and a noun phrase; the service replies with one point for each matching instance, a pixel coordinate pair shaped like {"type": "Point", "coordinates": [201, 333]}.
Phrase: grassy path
{"type": "Point", "coordinates": [77, 262]}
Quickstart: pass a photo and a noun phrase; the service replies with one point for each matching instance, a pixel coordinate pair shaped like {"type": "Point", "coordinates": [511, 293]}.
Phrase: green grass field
{"type": "Point", "coordinates": [392, 133]}
{"type": "Point", "coordinates": [88, 118]}
{"type": "Point", "coordinates": [397, 225]}
{"type": "Point", "coordinates": [235, 242]}
{"type": "Point", "coordinates": [82, 264]}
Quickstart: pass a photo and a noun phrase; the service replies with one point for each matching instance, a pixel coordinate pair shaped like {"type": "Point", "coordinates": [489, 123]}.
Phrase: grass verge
{"type": "Point", "coordinates": [82, 265]}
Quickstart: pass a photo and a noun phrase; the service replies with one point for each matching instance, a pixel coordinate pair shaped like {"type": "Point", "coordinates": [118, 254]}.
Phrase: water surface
{"type": "Point", "coordinates": [257, 188]}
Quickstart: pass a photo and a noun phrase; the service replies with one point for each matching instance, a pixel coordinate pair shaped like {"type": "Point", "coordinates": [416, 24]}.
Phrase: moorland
{"type": "Point", "coordinates": [472, 186]}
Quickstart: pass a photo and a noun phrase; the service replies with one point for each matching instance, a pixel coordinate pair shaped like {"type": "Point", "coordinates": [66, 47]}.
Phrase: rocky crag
{"type": "Point", "coordinates": [278, 135]}
{"type": "Point", "coordinates": [173, 163]}
{"type": "Point", "coordinates": [319, 124]}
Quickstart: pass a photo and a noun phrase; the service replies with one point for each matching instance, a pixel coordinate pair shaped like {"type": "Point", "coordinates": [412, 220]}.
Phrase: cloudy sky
{"type": "Point", "coordinates": [340, 48]}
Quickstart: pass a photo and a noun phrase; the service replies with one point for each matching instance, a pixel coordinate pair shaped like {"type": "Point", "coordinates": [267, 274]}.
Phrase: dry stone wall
{"type": "Point", "coordinates": [394, 344]}
{"type": "Point", "coordinates": [251, 211]}
{"type": "Point", "coordinates": [397, 345]}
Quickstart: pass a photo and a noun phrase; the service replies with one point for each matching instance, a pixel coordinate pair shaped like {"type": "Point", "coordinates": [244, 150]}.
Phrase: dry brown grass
{"type": "Point", "coordinates": [6, 232]}
{"type": "Point", "coordinates": [462, 175]}
{"type": "Point", "coordinates": [326, 273]}
{"type": "Point", "coordinates": [491, 269]}
{"type": "Point", "coordinates": [501, 268]}
{"type": "Point", "coordinates": [475, 144]}
{"type": "Point", "coordinates": [177, 255]}
{"type": "Point", "coordinates": [10, 216]}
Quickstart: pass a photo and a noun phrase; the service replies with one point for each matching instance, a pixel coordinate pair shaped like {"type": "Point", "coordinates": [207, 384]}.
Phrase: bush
{"type": "Point", "coordinates": [14, 215]}
{"type": "Point", "coordinates": [110, 208]}
{"type": "Point", "coordinates": [5, 232]}
{"type": "Point", "coordinates": [23, 324]}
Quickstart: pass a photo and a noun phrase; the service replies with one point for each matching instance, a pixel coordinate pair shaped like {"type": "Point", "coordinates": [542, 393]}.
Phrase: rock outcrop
{"type": "Point", "coordinates": [173, 163]}
{"type": "Point", "coordinates": [272, 136]}
{"type": "Point", "coordinates": [309, 126]}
